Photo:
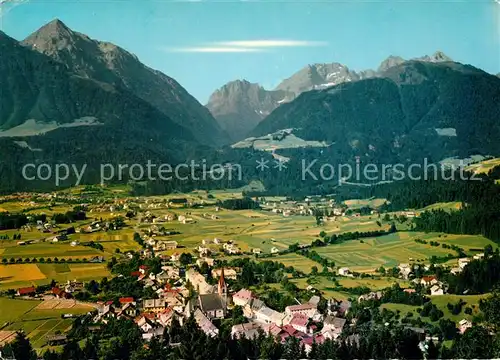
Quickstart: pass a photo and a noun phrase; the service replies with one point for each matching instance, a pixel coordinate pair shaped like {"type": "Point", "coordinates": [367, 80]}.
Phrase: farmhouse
{"type": "Point", "coordinates": [344, 271]}
{"type": "Point", "coordinates": [463, 262]}
{"type": "Point", "coordinates": [437, 290]}
{"type": "Point", "coordinates": [27, 291]}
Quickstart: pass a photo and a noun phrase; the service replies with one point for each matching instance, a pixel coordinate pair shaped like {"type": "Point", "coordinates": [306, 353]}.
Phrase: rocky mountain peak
{"type": "Point", "coordinates": [438, 56]}
{"type": "Point", "coordinates": [390, 62]}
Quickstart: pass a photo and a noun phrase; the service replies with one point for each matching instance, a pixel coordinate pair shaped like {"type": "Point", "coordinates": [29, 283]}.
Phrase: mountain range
{"type": "Point", "coordinates": [67, 98]}
{"type": "Point", "coordinates": [240, 105]}
{"type": "Point", "coordinates": [410, 111]}
{"type": "Point", "coordinates": [110, 64]}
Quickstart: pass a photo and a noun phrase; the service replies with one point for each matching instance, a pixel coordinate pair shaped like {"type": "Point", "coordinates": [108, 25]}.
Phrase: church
{"type": "Point", "coordinates": [214, 306]}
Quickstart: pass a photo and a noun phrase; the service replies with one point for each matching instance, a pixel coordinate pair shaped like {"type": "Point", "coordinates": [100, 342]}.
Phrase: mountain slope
{"type": "Point", "coordinates": [240, 105]}
{"type": "Point", "coordinates": [108, 63]}
{"type": "Point", "coordinates": [82, 121]}
{"type": "Point", "coordinates": [413, 110]}
{"type": "Point", "coordinates": [237, 109]}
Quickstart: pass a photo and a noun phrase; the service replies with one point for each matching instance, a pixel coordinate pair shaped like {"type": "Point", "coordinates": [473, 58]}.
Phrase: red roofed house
{"type": "Point", "coordinates": [28, 291]}
{"type": "Point", "coordinates": [428, 280]}
{"type": "Point", "coordinates": [126, 300]}
{"type": "Point", "coordinates": [60, 293]}
{"type": "Point", "coordinates": [299, 322]}
{"type": "Point", "coordinates": [135, 273]}
{"type": "Point", "coordinates": [143, 269]}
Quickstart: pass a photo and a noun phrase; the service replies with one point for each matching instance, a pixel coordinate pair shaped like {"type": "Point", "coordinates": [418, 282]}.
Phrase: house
{"type": "Point", "coordinates": [338, 308]}
{"type": "Point", "coordinates": [205, 324]}
{"type": "Point", "coordinates": [344, 271]}
{"type": "Point", "coordinates": [126, 300]}
{"type": "Point", "coordinates": [269, 316]}
{"type": "Point", "coordinates": [371, 296]}
{"type": "Point", "coordinates": [463, 325]}
{"type": "Point", "coordinates": [204, 251]}
{"type": "Point", "coordinates": [300, 322]}
{"type": "Point", "coordinates": [143, 269]}
{"type": "Point", "coordinates": [145, 324]}
{"type": "Point", "coordinates": [60, 293]}
{"type": "Point", "coordinates": [210, 262]}
{"type": "Point", "coordinates": [252, 329]}
{"type": "Point", "coordinates": [256, 251]}
{"type": "Point", "coordinates": [274, 250]}
{"type": "Point", "coordinates": [170, 245]}
{"type": "Point", "coordinates": [305, 309]}
{"type": "Point", "coordinates": [243, 297]}
{"type": "Point", "coordinates": [199, 282]}
{"type": "Point", "coordinates": [314, 300]}
{"type": "Point", "coordinates": [56, 340]}
{"type": "Point", "coordinates": [428, 280]}
{"type": "Point", "coordinates": [175, 257]}
{"type": "Point", "coordinates": [172, 272]}
{"type": "Point", "coordinates": [333, 324]}
{"type": "Point", "coordinates": [128, 310]}
{"type": "Point", "coordinates": [229, 273]}
{"type": "Point", "coordinates": [405, 270]}
{"type": "Point", "coordinates": [478, 256]}
{"type": "Point", "coordinates": [437, 290]}
{"type": "Point", "coordinates": [174, 300]}
{"type": "Point", "coordinates": [248, 330]}
{"type": "Point", "coordinates": [154, 305]}
{"type": "Point", "coordinates": [231, 248]}
{"type": "Point", "coordinates": [105, 312]}
{"type": "Point", "coordinates": [27, 291]}
{"type": "Point", "coordinates": [463, 262]}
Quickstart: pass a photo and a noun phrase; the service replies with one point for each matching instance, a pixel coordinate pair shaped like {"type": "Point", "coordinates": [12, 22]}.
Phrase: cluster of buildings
{"type": "Point", "coordinates": [301, 321]}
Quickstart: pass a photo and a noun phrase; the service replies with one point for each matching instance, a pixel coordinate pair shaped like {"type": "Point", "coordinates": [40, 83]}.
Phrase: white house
{"type": "Point", "coordinates": [344, 271]}
{"type": "Point", "coordinates": [462, 263]}
{"type": "Point", "coordinates": [437, 290]}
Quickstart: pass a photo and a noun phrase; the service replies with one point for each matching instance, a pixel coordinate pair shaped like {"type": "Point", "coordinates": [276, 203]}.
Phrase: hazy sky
{"type": "Point", "coordinates": [204, 44]}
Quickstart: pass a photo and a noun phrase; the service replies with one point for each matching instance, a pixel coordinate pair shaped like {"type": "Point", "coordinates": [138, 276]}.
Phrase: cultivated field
{"type": "Point", "coordinates": [449, 206]}
{"type": "Point", "coordinates": [36, 321]}
{"type": "Point", "coordinates": [23, 275]}
{"type": "Point", "coordinates": [390, 250]}
{"type": "Point", "coordinates": [484, 167]}
{"type": "Point", "coordinates": [441, 302]}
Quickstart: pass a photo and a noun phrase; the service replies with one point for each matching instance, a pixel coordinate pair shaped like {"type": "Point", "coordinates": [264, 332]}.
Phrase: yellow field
{"type": "Point", "coordinates": [22, 275]}
{"type": "Point", "coordinates": [358, 203]}
{"type": "Point", "coordinates": [450, 206]}
{"type": "Point", "coordinates": [484, 166]}
{"type": "Point", "coordinates": [21, 272]}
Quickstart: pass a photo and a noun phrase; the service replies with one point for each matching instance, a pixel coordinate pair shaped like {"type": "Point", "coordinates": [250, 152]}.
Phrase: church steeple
{"type": "Point", "coordinates": [222, 287]}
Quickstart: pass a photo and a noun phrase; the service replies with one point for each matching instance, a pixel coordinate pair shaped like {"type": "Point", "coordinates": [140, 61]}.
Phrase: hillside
{"type": "Point", "coordinates": [414, 110]}
{"type": "Point", "coordinates": [239, 105]}
{"type": "Point", "coordinates": [82, 120]}
{"type": "Point", "coordinates": [110, 64]}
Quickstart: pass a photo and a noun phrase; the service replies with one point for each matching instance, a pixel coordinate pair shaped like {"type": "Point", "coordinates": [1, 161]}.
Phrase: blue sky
{"type": "Point", "coordinates": [204, 44]}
